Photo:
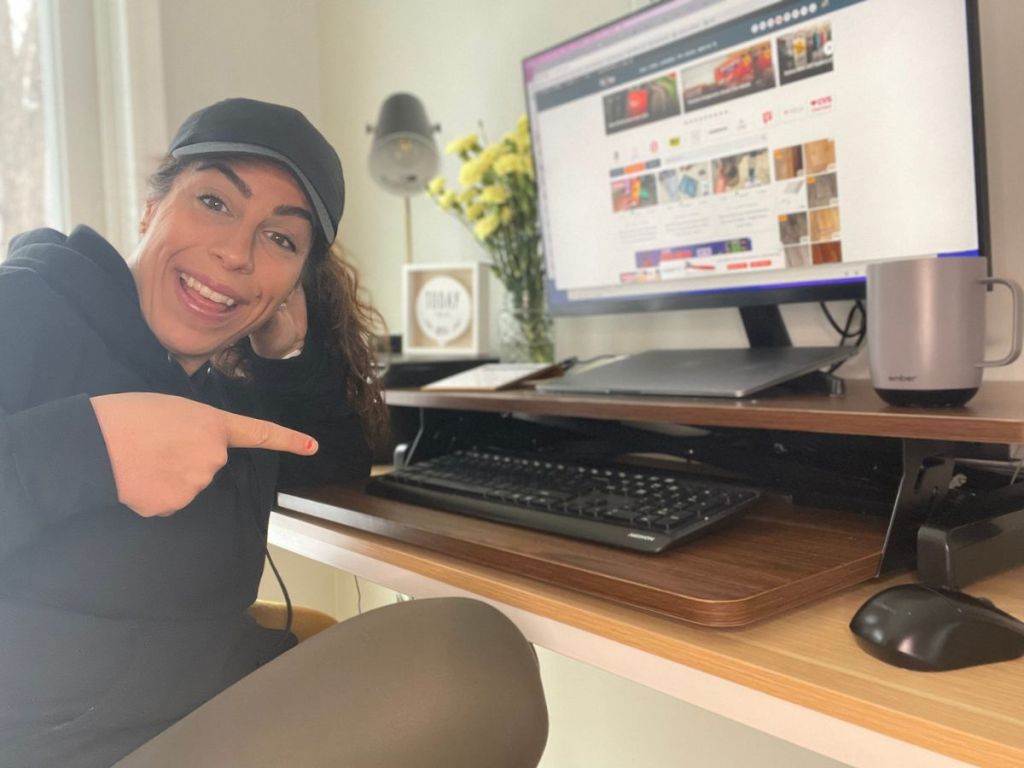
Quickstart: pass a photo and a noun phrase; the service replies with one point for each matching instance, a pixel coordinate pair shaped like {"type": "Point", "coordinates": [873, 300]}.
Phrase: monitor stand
{"type": "Point", "coordinates": [770, 360]}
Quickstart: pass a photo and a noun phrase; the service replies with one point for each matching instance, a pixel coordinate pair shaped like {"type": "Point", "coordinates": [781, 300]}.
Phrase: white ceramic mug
{"type": "Point", "coordinates": [926, 329]}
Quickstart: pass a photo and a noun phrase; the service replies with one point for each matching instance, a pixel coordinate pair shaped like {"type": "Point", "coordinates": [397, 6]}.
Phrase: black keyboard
{"type": "Point", "coordinates": [622, 505]}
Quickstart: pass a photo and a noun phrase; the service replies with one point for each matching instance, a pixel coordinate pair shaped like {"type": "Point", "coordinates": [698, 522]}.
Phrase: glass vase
{"type": "Point", "coordinates": [526, 330]}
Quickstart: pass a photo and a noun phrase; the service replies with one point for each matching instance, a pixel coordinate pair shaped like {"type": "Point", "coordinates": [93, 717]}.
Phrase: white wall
{"type": "Point", "coordinates": [260, 49]}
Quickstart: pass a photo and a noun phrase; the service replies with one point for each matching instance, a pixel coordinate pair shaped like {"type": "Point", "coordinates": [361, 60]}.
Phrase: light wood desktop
{"type": "Point", "coordinates": [798, 674]}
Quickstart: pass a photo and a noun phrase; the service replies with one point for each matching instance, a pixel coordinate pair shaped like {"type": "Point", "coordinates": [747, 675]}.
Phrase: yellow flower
{"type": "Point", "coordinates": [486, 226]}
{"type": "Point", "coordinates": [471, 173]}
{"type": "Point", "coordinates": [484, 161]}
{"type": "Point", "coordinates": [523, 124]}
{"type": "Point", "coordinates": [462, 144]}
{"type": "Point", "coordinates": [436, 186]}
{"type": "Point", "coordinates": [507, 164]}
{"type": "Point", "coordinates": [495, 193]}
{"type": "Point", "coordinates": [492, 153]}
{"type": "Point", "coordinates": [520, 142]}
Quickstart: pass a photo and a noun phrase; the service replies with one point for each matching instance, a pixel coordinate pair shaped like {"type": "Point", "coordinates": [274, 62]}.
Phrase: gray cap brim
{"type": "Point", "coordinates": [228, 147]}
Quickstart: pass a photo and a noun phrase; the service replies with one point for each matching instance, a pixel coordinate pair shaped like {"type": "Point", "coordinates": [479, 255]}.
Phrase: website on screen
{"type": "Point", "coordinates": [779, 145]}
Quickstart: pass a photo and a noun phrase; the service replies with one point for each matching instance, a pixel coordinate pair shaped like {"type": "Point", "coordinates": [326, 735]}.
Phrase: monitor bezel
{"type": "Point", "coordinates": [851, 288]}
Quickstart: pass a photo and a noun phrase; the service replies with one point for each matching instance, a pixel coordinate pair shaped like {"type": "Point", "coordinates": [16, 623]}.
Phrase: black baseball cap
{"type": "Point", "coordinates": [249, 127]}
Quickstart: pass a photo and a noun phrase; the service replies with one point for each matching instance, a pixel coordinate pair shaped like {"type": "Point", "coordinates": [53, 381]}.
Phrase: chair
{"type": "Point", "coordinates": [306, 622]}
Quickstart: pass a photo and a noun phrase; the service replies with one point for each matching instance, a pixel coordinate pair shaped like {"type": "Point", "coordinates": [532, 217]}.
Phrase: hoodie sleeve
{"type": "Point", "coordinates": [53, 464]}
{"type": "Point", "coordinates": [53, 460]}
{"type": "Point", "coordinates": [307, 393]}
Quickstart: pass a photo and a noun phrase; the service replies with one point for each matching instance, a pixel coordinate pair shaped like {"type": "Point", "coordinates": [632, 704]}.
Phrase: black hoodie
{"type": "Point", "coordinates": [113, 626]}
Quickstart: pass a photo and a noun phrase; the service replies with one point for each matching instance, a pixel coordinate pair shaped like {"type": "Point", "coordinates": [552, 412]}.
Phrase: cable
{"type": "Point", "coordinates": [359, 596]}
{"type": "Point", "coordinates": [845, 333]}
{"type": "Point", "coordinates": [831, 320]}
{"type": "Point", "coordinates": [284, 591]}
{"type": "Point", "coordinates": [263, 529]}
{"type": "Point", "coordinates": [280, 581]}
{"type": "Point", "coordinates": [862, 332]}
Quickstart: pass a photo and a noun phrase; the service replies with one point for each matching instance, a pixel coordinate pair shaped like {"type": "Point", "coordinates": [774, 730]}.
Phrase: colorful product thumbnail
{"type": "Point", "coordinates": [685, 182]}
{"type": "Point", "coordinates": [736, 74]}
{"type": "Point", "coordinates": [640, 276]}
{"type": "Point", "coordinates": [805, 52]}
{"type": "Point", "coordinates": [635, 192]}
{"type": "Point", "coordinates": [658, 256]}
{"type": "Point", "coordinates": [742, 171]}
{"type": "Point", "coordinates": [819, 156]}
{"type": "Point", "coordinates": [793, 228]}
{"type": "Point", "coordinates": [789, 163]}
{"type": "Point", "coordinates": [642, 104]}
{"type": "Point", "coordinates": [822, 191]}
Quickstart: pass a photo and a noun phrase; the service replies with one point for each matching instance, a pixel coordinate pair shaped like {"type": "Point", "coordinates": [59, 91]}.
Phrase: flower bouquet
{"type": "Point", "coordinates": [497, 200]}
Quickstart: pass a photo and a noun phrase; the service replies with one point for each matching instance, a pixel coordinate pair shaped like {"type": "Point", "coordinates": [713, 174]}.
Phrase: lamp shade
{"type": "Point", "coordinates": [404, 155]}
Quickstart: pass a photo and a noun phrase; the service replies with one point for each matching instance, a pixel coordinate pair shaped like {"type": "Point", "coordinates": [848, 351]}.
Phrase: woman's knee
{"type": "Point", "coordinates": [461, 682]}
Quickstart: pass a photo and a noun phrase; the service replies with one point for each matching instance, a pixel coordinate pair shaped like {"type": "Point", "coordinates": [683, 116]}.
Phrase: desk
{"type": "Point", "coordinates": [798, 675]}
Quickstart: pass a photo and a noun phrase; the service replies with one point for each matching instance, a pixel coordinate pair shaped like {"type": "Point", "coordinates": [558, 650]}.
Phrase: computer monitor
{"type": "Point", "coordinates": [747, 153]}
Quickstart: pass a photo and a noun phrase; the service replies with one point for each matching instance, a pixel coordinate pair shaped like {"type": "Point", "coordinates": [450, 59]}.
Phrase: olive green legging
{"type": "Point", "coordinates": [445, 682]}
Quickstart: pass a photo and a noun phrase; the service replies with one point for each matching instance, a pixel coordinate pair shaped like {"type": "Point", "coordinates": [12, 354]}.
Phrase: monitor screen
{"type": "Point", "coordinates": [741, 152]}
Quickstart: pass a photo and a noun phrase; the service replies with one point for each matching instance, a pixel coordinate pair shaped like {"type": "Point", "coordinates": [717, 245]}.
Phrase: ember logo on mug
{"type": "Point", "coordinates": [926, 329]}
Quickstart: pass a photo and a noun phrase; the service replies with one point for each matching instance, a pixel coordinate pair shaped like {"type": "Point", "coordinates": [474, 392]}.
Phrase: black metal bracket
{"type": "Point", "coordinates": [927, 472]}
{"type": "Point", "coordinates": [950, 549]}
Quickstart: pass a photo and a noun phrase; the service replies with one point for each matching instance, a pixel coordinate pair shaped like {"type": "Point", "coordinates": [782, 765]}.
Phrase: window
{"type": "Point", "coordinates": [29, 193]}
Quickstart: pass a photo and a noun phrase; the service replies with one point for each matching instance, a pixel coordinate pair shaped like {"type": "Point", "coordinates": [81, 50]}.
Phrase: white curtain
{"type": "Point", "coordinates": [133, 128]}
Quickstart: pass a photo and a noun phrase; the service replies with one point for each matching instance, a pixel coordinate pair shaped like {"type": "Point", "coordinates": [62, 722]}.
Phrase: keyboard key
{"type": "Point", "coordinates": [621, 513]}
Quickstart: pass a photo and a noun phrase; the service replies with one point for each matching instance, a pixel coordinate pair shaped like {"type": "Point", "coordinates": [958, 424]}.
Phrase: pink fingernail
{"type": "Point", "coordinates": [310, 444]}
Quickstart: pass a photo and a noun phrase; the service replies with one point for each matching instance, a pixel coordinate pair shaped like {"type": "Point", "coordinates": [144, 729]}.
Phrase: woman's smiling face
{"type": "Point", "coordinates": [220, 252]}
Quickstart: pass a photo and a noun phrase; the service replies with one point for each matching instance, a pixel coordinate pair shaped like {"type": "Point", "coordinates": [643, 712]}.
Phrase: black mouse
{"type": "Point", "coordinates": [931, 630]}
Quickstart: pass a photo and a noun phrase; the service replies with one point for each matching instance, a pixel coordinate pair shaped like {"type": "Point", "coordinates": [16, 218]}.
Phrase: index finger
{"type": "Point", "coordinates": [246, 432]}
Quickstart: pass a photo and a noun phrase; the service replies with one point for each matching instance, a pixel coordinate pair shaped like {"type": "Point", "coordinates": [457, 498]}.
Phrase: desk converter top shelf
{"type": "Point", "coordinates": [995, 415]}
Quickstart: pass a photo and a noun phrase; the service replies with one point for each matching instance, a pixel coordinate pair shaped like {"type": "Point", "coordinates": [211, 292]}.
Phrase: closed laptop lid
{"type": "Point", "coordinates": [699, 372]}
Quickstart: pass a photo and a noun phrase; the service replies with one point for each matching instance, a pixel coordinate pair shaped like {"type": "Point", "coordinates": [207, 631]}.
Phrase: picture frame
{"type": "Point", "coordinates": [444, 309]}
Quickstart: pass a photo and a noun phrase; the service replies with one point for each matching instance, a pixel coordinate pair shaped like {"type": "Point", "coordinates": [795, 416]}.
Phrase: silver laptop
{"type": "Point", "coordinates": [699, 372]}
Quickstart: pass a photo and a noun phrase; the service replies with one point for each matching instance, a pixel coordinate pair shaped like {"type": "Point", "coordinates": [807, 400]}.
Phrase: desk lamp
{"type": "Point", "coordinates": [404, 155]}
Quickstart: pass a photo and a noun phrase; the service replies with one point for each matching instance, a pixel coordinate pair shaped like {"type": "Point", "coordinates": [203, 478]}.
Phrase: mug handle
{"type": "Point", "coordinates": [1018, 307]}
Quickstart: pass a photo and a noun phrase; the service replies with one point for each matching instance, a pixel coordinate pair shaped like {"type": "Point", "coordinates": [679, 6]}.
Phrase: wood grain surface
{"type": "Point", "coordinates": [773, 557]}
{"type": "Point", "coordinates": [995, 415]}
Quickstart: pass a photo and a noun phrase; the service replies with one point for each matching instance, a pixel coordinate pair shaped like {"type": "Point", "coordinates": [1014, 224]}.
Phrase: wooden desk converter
{"type": "Point", "coordinates": [775, 557]}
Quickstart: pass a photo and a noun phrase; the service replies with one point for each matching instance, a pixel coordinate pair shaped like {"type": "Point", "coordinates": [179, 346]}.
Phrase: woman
{"type": "Point", "coordinates": [135, 499]}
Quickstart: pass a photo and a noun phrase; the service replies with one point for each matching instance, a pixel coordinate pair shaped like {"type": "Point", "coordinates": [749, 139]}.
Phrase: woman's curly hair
{"type": "Point", "coordinates": [336, 306]}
